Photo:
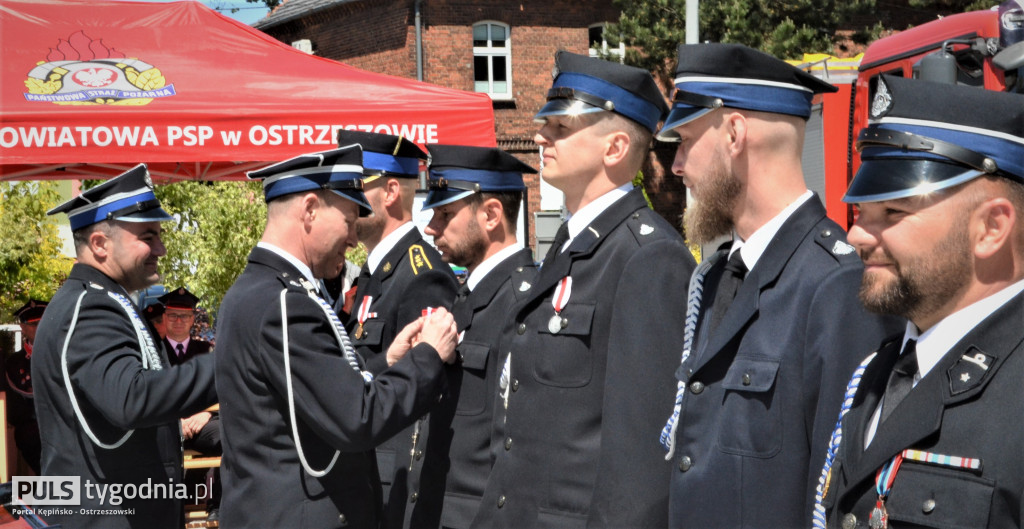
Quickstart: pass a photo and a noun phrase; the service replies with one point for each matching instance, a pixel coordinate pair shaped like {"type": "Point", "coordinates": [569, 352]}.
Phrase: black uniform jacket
{"type": "Point", "coordinates": [458, 453]}
{"type": "Point", "coordinates": [411, 277]}
{"type": "Point", "coordinates": [265, 484]}
{"type": "Point", "coordinates": [764, 390]}
{"type": "Point", "coordinates": [115, 395]}
{"type": "Point", "coordinates": [959, 409]}
{"type": "Point", "coordinates": [580, 443]}
{"type": "Point", "coordinates": [195, 347]}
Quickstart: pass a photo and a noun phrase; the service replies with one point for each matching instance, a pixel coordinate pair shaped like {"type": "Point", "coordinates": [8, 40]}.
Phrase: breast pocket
{"type": "Point", "coordinates": [565, 360]}
{"type": "Point", "coordinates": [751, 425]}
{"type": "Point", "coordinates": [373, 334]}
{"type": "Point", "coordinates": [939, 497]}
{"type": "Point", "coordinates": [473, 396]}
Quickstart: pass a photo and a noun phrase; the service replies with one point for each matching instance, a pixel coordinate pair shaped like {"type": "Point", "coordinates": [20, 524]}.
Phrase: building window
{"type": "Point", "coordinates": [599, 46]}
{"type": "Point", "coordinates": [492, 64]}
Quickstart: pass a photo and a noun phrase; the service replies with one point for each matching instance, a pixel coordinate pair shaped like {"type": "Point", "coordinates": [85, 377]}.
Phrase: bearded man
{"type": "Point", "coordinates": [932, 436]}
{"type": "Point", "coordinates": [774, 328]}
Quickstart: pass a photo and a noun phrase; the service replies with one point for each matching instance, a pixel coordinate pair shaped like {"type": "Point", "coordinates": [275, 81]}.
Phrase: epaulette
{"type": "Point", "coordinates": [522, 280]}
{"type": "Point", "coordinates": [418, 259]}
{"type": "Point", "coordinates": [295, 282]}
{"type": "Point", "coordinates": [644, 228]}
{"type": "Point", "coordinates": [834, 242]}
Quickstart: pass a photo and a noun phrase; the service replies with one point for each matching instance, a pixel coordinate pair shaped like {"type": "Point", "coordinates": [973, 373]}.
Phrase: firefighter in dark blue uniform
{"type": "Point", "coordinates": [300, 412]}
{"type": "Point", "coordinates": [107, 399]}
{"type": "Point", "coordinates": [403, 275]}
{"type": "Point", "coordinates": [595, 341]}
{"type": "Point", "coordinates": [931, 435]}
{"type": "Point", "coordinates": [475, 195]}
{"type": "Point", "coordinates": [774, 328]}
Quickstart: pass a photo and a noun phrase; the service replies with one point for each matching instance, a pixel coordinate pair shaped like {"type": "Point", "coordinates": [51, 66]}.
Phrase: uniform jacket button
{"type": "Point", "coordinates": [415, 496]}
{"type": "Point", "coordinates": [928, 506]}
{"type": "Point", "coordinates": [746, 379]}
{"type": "Point", "coordinates": [521, 329]}
{"type": "Point", "coordinates": [508, 443]}
{"type": "Point", "coordinates": [685, 463]}
{"type": "Point", "coordinates": [696, 388]}
{"type": "Point", "coordinates": [501, 501]}
{"type": "Point", "coordinates": [826, 232]}
{"type": "Point", "coordinates": [515, 384]}
{"type": "Point", "coordinates": [342, 520]}
{"type": "Point", "coordinates": [419, 455]}
{"type": "Point", "coordinates": [849, 521]}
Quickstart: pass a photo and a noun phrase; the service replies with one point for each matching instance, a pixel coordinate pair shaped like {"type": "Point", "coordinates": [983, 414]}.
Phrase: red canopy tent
{"type": "Point", "coordinates": [90, 88]}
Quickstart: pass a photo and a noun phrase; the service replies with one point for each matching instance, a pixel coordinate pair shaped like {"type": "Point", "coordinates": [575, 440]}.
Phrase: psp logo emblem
{"type": "Point", "coordinates": [47, 490]}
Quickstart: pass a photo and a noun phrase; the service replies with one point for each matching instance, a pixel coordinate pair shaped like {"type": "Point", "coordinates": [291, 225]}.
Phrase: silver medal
{"type": "Point", "coordinates": [555, 324]}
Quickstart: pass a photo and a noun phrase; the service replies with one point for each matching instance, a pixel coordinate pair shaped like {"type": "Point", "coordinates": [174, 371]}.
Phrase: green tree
{"type": "Point", "coordinates": [215, 227]}
{"type": "Point", "coordinates": [31, 264]}
{"type": "Point", "coordinates": [652, 29]}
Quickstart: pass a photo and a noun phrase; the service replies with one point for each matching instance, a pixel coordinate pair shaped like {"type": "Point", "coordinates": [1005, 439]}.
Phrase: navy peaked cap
{"type": "Point", "coordinates": [715, 75]}
{"type": "Point", "coordinates": [458, 171]}
{"type": "Point", "coordinates": [154, 310]}
{"type": "Point", "coordinates": [31, 311]}
{"type": "Point", "coordinates": [339, 170]}
{"type": "Point", "coordinates": [127, 197]}
{"type": "Point", "coordinates": [925, 136]}
{"type": "Point", "coordinates": [179, 299]}
{"type": "Point", "coordinates": [384, 154]}
{"type": "Point", "coordinates": [584, 84]}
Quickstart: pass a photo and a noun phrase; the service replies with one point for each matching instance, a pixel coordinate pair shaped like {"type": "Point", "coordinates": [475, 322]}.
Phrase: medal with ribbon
{"type": "Point", "coordinates": [362, 315]}
{"type": "Point", "coordinates": [879, 518]}
{"type": "Point", "coordinates": [558, 301]}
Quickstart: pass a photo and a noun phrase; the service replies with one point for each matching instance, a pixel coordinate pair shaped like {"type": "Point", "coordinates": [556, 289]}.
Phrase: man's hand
{"type": "Point", "coordinates": [440, 332]}
{"type": "Point", "coordinates": [404, 341]}
{"type": "Point", "coordinates": [191, 426]}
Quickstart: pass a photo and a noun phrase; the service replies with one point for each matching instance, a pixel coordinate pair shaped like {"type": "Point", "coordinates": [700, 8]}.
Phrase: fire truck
{"type": "Point", "coordinates": [980, 48]}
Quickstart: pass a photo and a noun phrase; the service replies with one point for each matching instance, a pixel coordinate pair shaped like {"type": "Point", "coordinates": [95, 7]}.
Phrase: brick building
{"type": "Point", "coordinates": [504, 48]}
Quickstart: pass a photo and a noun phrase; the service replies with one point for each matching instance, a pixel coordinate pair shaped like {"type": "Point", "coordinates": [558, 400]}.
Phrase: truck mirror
{"type": "Point", "coordinates": [1010, 58]}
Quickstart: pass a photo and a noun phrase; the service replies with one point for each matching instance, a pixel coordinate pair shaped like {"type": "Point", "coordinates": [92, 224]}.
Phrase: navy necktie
{"type": "Point", "coordinates": [180, 350]}
{"type": "Point", "coordinates": [901, 380]}
{"type": "Point", "coordinates": [728, 285]}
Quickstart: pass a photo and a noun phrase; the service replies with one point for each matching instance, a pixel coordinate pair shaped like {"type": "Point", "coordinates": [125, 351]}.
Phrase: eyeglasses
{"type": "Point", "coordinates": [179, 317]}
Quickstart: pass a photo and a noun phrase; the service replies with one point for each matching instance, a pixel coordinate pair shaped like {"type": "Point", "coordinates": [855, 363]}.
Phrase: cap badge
{"type": "Point", "coordinates": [882, 103]}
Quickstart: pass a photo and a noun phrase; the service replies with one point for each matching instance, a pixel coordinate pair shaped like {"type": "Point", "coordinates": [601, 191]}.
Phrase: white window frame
{"type": "Point", "coordinates": [619, 52]}
{"type": "Point", "coordinates": [490, 51]}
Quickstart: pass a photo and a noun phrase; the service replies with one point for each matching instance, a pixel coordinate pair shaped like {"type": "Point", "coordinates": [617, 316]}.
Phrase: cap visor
{"type": "Point", "coordinates": [358, 197]}
{"type": "Point", "coordinates": [150, 215]}
{"type": "Point", "coordinates": [565, 107]}
{"type": "Point", "coordinates": [680, 115]}
{"type": "Point", "coordinates": [891, 179]}
{"type": "Point", "coordinates": [440, 197]}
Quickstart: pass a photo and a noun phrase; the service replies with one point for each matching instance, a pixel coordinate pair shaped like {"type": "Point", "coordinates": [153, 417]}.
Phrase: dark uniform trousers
{"type": "Point", "coordinates": [458, 454]}
{"type": "Point", "coordinates": [264, 482]}
{"type": "Point", "coordinates": [969, 405]}
{"type": "Point", "coordinates": [764, 389]}
{"type": "Point", "coordinates": [579, 447]}
{"type": "Point", "coordinates": [115, 395]}
{"type": "Point", "coordinates": [410, 278]}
